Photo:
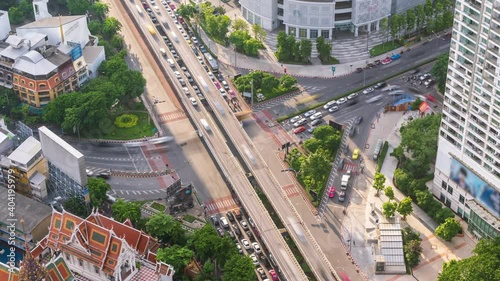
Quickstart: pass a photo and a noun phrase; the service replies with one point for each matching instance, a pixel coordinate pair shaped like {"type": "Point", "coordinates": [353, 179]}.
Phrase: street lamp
{"type": "Point", "coordinates": [351, 67]}
{"type": "Point", "coordinates": [235, 62]}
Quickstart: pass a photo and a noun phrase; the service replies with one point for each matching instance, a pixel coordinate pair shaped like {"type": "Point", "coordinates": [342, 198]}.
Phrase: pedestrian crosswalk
{"type": "Point", "coordinates": [140, 192]}
{"type": "Point", "coordinates": [313, 89]}
{"type": "Point", "coordinates": [291, 190]}
{"type": "Point", "coordinates": [282, 99]}
{"type": "Point", "coordinates": [172, 116]}
{"type": "Point", "coordinates": [353, 167]}
{"type": "Point", "coordinates": [95, 170]}
{"type": "Point", "coordinates": [219, 205]}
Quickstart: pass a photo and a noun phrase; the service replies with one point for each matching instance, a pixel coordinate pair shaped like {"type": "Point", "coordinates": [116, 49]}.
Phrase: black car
{"type": "Point", "coordinates": [380, 85]}
{"type": "Point", "coordinates": [104, 175]}
{"type": "Point", "coordinates": [228, 214]}
{"type": "Point", "coordinates": [220, 77]}
{"type": "Point", "coordinates": [236, 230]}
{"type": "Point", "coordinates": [214, 220]}
{"type": "Point", "coordinates": [220, 231]}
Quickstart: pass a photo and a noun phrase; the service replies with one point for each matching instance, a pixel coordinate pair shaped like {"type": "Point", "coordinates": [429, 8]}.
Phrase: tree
{"type": "Point", "coordinates": [410, 234]}
{"type": "Point", "coordinates": [269, 83]}
{"type": "Point", "coordinates": [405, 207]}
{"type": "Point", "coordinates": [111, 27]}
{"type": "Point", "coordinates": [419, 17]}
{"type": "Point", "coordinates": [6, 4]}
{"type": "Point", "coordinates": [410, 20]}
{"type": "Point", "coordinates": [131, 81]}
{"type": "Point", "coordinates": [187, 11]}
{"type": "Point", "coordinates": [100, 9]}
{"type": "Point", "coordinates": [412, 252]}
{"type": "Point", "coordinates": [259, 32]}
{"type": "Point", "coordinates": [238, 38]}
{"type": "Point", "coordinates": [305, 49]}
{"type": "Point", "coordinates": [449, 229]}
{"type": "Point", "coordinates": [224, 249]}
{"type": "Point", "coordinates": [252, 47]}
{"type": "Point", "coordinates": [394, 21]}
{"type": "Point", "coordinates": [177, 256]}
{"type": "Point", "coordinates": [239, 268]}
{"type": "Point", "coordinates": [203, 241]}
{"type": "Point", "coordinates": [98, 189]}
{"type": "Point", "coordinates": [428, 11]}
{"type": "Point", "coordinates": [389, 192]}
{"type": "Point", "coordinates": [384, 28]}
{"type": "Point", "coordinates": [78, 7]}
{"type": "Point", "coordinates": [389, 209]}
{"type": "Point", "coordinates": [440, 71]}
{"type": "Point", "coordinates": [379, 182]}
{"type": "Point", "coordinates": [239, 25]}
{"type": "Point", "coordinates": [324, 48]}
{"type": "Point", "coordinates": [484, 265]}
{"type": "Point", "coordinates": [166, 228]}
{"type": "Point", "coordinates": [95, 27]}
{"type": "Point", "coordinates": [16, 15]}
{"type": "Point", "coordinates": [77, 206]}
{"type": "Point", "coordinates": [287, 81]}
{"type": "Point", "coordinates": [424, 199]}
{"type": "Point", "coordinates": [117, 42]}
{"type": "Point", "coordinates": [123, 210]}
{"type": "Point", "coordinates": [219, 10]}
{"type": "Point", "coordinates": [442, 214]}
{"type": "Point", "coordinates": [312, 144]}
{"type": "Point", "coordinates": [283, 50]}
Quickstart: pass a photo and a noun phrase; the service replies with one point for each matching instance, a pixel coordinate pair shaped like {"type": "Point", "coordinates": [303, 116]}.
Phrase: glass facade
{"type": "Point", "coordinates": [480, 228]}
{"type": "Point", "coordinates": [62, 185]}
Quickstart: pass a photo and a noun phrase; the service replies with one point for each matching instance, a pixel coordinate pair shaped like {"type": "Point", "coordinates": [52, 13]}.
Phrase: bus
{"type": "Point", "coordinates": [212, 63]}
{"type": "Point", "coordinates": [151, 29]}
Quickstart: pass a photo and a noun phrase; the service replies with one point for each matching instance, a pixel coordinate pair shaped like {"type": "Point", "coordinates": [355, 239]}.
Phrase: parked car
{"type": "Point", "coordinates": [386, 61]}
{"type": "Point", "coordinates": [331, 192]}
{"type": "Point", "coordinates": [223, 222]}
{"type": "Point", "coordinates": [424, 77]}
{"type": "Point", "coordinates": [342, 196]}
{"type": "Point", "coordinates": [309, 113]}
{"type": "Point", "coordinates": [311, 130]}
{"type": "Point", "coordinates": [262, 273]}
{"type": "Point", "coordinates": [316, 122]}
{"type": "Point", "coordinates": [249, 234]}
{"type": "Point", "coordinates": [230, 216]}
{"type": "Point", "coordinates": [380, 85]}
{"type": "Point", "coordinates": [177, 74]}
{"type": "Point", "coordinates": [245, 244]}
{"type": "Point", "coordinates": [214, 220]}
{"type": "Point", "coordinates": [333, 109]}
{"type": "Point", "coordinates": [236, 230]}
{"type": "Point", "coordinates": [352, 96]}
{"type": "Point", "coordinates": [368, 91]}
{"type": "Point", "coordinates": [341, 101]}
{"type": "Point", "coordinates": [329, 104]}
{"type": "Point", "coordinates": [250, 221]}
{"type": "Point", "coordinates": [300, 122]}
{"type": "Point", "coordinates": [220, 231]}
{"type": "Point", "coordinates": [316, 115]}
{"type": "Point", "coordinates": [395, 56]}
{"type": "Point", "coordinates": [359, 70]}
{"type": "Point", "coordinates": [243, 224]}
{"type": "Point", "coordinates": [238, 246]}
{"type": "Point", "coordinates": [296, 118]}
{"type": "Point", "coordinates": [429, 82]}
{"type": "Point", "coordinates": [299, 130]}
{"type": "Point", "coordinates": [225, 85]}
{"type": "Point", "coordinates": [255, 261]}
{"type": "Point", "coordinates": [273, 274]}
{"type": "Point", "coordinates": [256, 247]}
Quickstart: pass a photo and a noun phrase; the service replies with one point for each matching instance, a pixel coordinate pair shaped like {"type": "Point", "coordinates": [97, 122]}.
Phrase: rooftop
{"type": "Point", "coordinates": [23, 154]}
{"type": "Point", "coordinates": [34, 63]}
{"type": "Point", "coordinates": [51, 22]}
{"type": "Point", "coordinates": [90, 53]}
{"type": "Point", "coordinates": [61, 142]}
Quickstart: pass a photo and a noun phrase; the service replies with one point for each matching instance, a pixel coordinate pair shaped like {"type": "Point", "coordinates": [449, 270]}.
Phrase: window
{"type": "Point", "coordinates": [42, 86]}
{"type": "Point", "coordinates": [442, 198]}
{"type": "Point", "coordinates": [67, 256]}
{"type": "Point", "coordinates": [325, 34]}
{"type": "Point", "coordinates": [444, 185]}
{"type": "Point", "coordinates": [313, 33]}
{"type": "Point", "coordinates": [292, 31]}
{"type": "Point", "coordinates": [450, 190]}
{"type": "Point", "coordinates": [302, 33]}
{"type": "Point", "coordinates": [96, 269]}
{"type": "Point", "coordinates": [461, 199]}
{"type": "Point", "coordinates": [460, 212]}
{"type": "Point", "coordinates": [80, 262]}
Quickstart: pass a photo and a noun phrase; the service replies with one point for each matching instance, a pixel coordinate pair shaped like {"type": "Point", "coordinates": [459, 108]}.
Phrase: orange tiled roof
{"type": "Point", "coordinates": [6, 275]}
{"type": "Point", "coordinates": [39, 248]}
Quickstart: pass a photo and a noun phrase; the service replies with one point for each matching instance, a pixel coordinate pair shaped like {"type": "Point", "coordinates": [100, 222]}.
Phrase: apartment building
{"type": "Point", "coordinates": [467, 175]}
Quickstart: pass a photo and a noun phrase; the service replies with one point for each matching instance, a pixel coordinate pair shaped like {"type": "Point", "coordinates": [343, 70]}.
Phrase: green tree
{"type": "Point", "coordinates": [238, 38]}
{"type": "Point", "coordinates": [111, 27]}
{"type": "Point", "coordinates": [428, 11]}
{"type": "Point", "coordinates": [283, 52]}
{"type": "Point", "coordinates": [166, 228]}
{"type": "Point", "coordinates": [412, 252]}
{"type": "Point", "coordinates": [123, 210]}
{"type": "Point", "coordinates": [203, 241]}
{"type": "Point", "coordinates": [305, 49]}
{"type": "Point", "coordinates": [239, 268]}
{"type": "Point", "coordinates": [224, 249]}
{"type": "Point", "coordinates": [442, 214]}
{"type": "Point", "coordinates": [410, 20]}
{"type": "Point", "coordinates": [419, 17]}
{"type": "Point", "coordinates": [78, 7]}
{"type": "Point", "coordinates": [424, 199]}
{"type": "Point", "coordinates": [131, 81]}
{"type": "Point", "coordinates": [239, 25]}
{"type": "Point", "coordinates": [405, 207]}
{"type": "Point", "coordinates": [316, 168]}
{"type": "Point", "coordinates": [269, 83]}
{"type": "Point", "coordinates": [410, 234]}
{"type": "Point", "coordinates": [77, 206]}
{"type": "Point", "coordinates": [440, 71]}
{"type": "Point", "coordinates": [420, 137]}
{"type": "Point", "coordinates": [384, 28]}
{"type": "Point", "coordinates": [100, 10]}
{"type": "Point", "coordinates": [26, 6]}
{"type": "Point", "coordinates": [394, 26]}
{"type": "Point", "coordinates": [187, 11]}
{"type": "Point", "coordinates": [259, 32]}
{"type": "Point", "coordinates": [389, 209]}
{"type": "Point", "coordinates": [484, 265]}
{"type": "Point", "coordinates": [252, 47]}
{"type": "Point", "coordinates": [379, 182]}
{"type": "Point", "coordinates": [6, 4]}
{"type": "Point", "coordinates": [312, 144]}
{"type": "Point", "coordinates": [98, 189]}
{"type": "Point", "coordinates": [219, 10]}
{"type": "Point", "coordinates": [449, 229]}
{"type": "Point", "coordinates": [177, 256]}
{"type": "Point", "coordinates": [16, 15]}
{"type": "Point", "coordinates": [389, 192]}
{"type": "Point", "coordinates": [287, 81]}
{"type": "Point", "coordinates": [117, 42]}
{"type": "Point", "coordinates": [95, 27]}
{"type": "Point", "coordinates": [324, 48]}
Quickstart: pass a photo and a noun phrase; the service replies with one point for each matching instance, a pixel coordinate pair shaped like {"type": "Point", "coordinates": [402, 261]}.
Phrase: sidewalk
{"type": "Point", "coordinates": [362, 224]}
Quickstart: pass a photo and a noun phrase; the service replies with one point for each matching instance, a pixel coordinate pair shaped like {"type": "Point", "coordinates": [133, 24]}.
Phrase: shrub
{"type": "Point", "coordinates": [126, 121]}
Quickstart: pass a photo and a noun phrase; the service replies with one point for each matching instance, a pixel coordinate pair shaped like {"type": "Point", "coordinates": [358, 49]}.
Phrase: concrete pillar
{"type": "Point", "coordinates": [286, 29]}
{"type": "Point", "coordinates": [378, 25]}
{"type": "Point", "coordinates": [308, 34]}
{"type": "Point", "coordinates": [330, 33]}
{"type": "Point", "coordinates": [355, 31]}
{"type": "Point", "coordinates": [369, 27]}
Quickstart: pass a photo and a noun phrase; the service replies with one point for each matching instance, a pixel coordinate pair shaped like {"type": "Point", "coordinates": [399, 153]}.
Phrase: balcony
{"type": "Point", "coordinates": [471, 24]}
{"type": "Point", "coordinates": [492, 59]}
{"type": "Point", "coordinates": [470, 13]}
{"type": "Point", "coordinates": [495, 40]}
{"type": "Point", "coordinates": [476, 5]}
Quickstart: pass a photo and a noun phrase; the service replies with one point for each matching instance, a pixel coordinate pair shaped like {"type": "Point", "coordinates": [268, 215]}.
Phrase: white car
{"type": "Point", "coordinates": [333, 109]}
{"type": "Point", "coordinates": [186, 91]}
{"type": "Point", "coordinates": [368, 91]}
{"type": "Point", "coordinates": [316, 115]}
{"type": "Point", "coordinates": [177, 74]}
{"type": "Point", "coordinates": [296, 118]}
{"type": "Point", "coordinates": [255, 261]}
{"type": "Point", "coordinates": [300, 122]}
{"type": "Point", "coordinates": [195, 41]}
{"type": "Point", "coordinates": [239, 248]}
{"type": "Point", "coordinates": [341, 101]}
{"type": "Point", "coordinates": [311, 130]}
{"type": "Point", "coordinates": [351, 96]}
{"type": "Point", "coordinates": [156, 8]}
{"type": "Point", "coordinates": [329, 104]}
{"type": "Point", "coordinates": [309, 113]}
{"type": "Point", "coordinates": [211, 75]}
{"type": "Point", "coordinates": [256, 247]}
{"type": "Point", "coordinates": [245, 244]}
{"type": "Point", "coordinates": [244, 224]}
{"type": "Point", "coordinates": [193, 101]}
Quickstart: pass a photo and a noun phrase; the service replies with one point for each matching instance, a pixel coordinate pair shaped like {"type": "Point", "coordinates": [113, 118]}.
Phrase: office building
{"type": "Point", "coordinates": [467, 175]}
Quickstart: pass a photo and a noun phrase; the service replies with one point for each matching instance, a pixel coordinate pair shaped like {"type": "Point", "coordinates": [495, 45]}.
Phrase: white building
{"type": "Point", "coordinates": [467, 175]}
{"type": "Point", "coordinates": [4, 25]}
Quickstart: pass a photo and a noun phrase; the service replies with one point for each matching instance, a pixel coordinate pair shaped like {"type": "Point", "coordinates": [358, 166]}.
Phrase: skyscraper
{"type": "Point", "coordinates": [467, 174]}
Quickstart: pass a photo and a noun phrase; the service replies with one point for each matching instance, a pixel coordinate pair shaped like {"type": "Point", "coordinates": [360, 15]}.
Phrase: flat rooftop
{"type": "Point", "coordinates": [59, 141]}
{"type": "Point", "coordinates": [23, 154]}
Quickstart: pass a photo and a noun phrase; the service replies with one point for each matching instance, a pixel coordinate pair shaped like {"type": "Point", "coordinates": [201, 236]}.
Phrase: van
{"type": "Point", "coordinates": [205, 125]}
{"type": "Point", "coordinates": [163, 52]}
{"type": "Point", "coordinates": [171, 62]}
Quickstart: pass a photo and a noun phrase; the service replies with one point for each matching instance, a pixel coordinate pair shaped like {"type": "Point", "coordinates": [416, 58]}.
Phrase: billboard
{"type": "Point", "coordinates": [485, 194]}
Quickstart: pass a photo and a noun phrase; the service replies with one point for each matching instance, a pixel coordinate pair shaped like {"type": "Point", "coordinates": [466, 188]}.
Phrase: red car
{"type": "Point", "coordinates": [386, 60]}
{"type": "Point", "coordinates": [331, 192]}
{"type": "Point", "coordinates": [273, 274]}
{"type": "Point", "coordinates": [299, 130]}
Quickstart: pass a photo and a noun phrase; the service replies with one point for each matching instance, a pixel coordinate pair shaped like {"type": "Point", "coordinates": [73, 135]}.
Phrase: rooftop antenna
{"type": "Point", "coordinates": [61, 28]}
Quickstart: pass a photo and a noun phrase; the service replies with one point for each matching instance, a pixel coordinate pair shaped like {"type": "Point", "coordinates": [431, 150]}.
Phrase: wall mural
{"type": "Point", "coordinates": [365, 11]}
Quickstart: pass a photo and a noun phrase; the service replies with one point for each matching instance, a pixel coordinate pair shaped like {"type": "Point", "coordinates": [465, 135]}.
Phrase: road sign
{"type": "Point", "coordinates": [333, 68]}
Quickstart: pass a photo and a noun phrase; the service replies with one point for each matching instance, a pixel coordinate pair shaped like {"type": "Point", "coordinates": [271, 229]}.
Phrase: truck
{"type": "Point", "coordinates": [345, 180]}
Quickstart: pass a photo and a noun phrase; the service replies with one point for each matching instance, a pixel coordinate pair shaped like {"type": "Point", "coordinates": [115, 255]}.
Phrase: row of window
{"type": "Point", "coordinates": [313, 33]}
{"type": "Point", "coordinates": [449, 189]}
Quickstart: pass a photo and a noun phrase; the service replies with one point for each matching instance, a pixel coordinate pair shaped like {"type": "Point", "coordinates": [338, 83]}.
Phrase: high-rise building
{"type": "Point", "coordinates": [467, 175]}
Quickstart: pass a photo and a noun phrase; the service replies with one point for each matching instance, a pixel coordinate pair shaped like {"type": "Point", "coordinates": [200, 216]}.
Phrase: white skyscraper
{"type": "Point", "coordinates": [467, 175]}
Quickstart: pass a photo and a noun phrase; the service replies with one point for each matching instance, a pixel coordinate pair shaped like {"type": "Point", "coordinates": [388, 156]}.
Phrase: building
{"type": "Point", "coordinates": [100, 248]}
{"type": "Point", "coordinates": [467, 175]}
{"type": "Point", "coordinates": [29, 168]}
{"type": "Point", "coordinates": [66, 166]}
{"type": "Point", "coordinates": [313, 18]}
{"type": "Point", "coordinates": [4, 25]}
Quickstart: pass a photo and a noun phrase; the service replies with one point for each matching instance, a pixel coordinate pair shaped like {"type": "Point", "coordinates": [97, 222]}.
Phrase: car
{"type": "Point", "coordinates": [353, 102]}
{"type": "Point", "coordinates": [223, 92]}
{"type": "Point", "coordinates": [220, 77]}
{"type": "Point", "coordinates": [238, 246]}
{"type": "Point", "coordinates": [311, 130]}
{"type": "Point", "coordinates": [186, 37]}
{"type": "Point", "coordinates": [145, 5]}
{"type": "Point", "coordinates": [195, 40]}
{"type": "Point", "coordinates": [429, 82]}
{"type": "Point", "coordinates": [186, 91]}
{"type": "Point", "coordinates": [342, 196]}
{"type": "Point", "coordinates": [299, 130]}
{"type": "Point", "coordinates": [424, 77]}
{"type": "Point", "coordinates": [243, 224]}
{"type": "Point", "coordinates": [368, 91]}
{"type": "Point", "coordinates": [395, 56]}
{"type": "Point", "coordinates": [331, 192]}
{"type": "Point", "coordinates": [316, 122]}
{"type": "Point", "coordinates": [329, 104]}
{"type": "Point", "coordinates": [250, 221]}
{"type": "Point", "coordinates": [183, 83]}
{"type": "Point", "coordinates": [341, 101]}
{"type": "Point", "coordinates": [296, 118]}
{"type": "Point", "coordinates": [309, 113]}
{"type": "Point", "coordinates": [236, 230]}
{"type": "Point", "coordinates": [229, 215]}
{"type": "Point", "coordinates": [355, 154]}
{"type": "Point", "coordinates": [352, 96]}
{"type": "Point", "coordinates": [386, 61]}
{"type": "Point", "coordinates": [245, 244]}
{"type": "Point", "coordinates": [231, 234]}
{"type": "Point", "coordinates": [211, 76]}
{"type": "Point", "coordinates": [359, 120]}
{"type": "Point", "coordinates": [249, 234]}
{"type": "Point", "coordinates": [300, 122]}
{"type": "Point", "coordinates": [197, 90]}
{"type": "Point", "coordinates": [223, 220]}
{"type": "Point", "coordinates": [214, 220]}
{"type": "Point", "coordinates": [255, 261]}
{"type": "Point", "coordinates": [333, 109]}
{"type": "Point", "coordinates": [256, 247]}
{"type": "Point", "coordinates": [359, 70]}
{"type": "Point", "coordinates": [316, 115]}
{"type": "Point", "coordinates": [380, 85]}
{"type": "Point", "coordinates": [193, 101]}
{"type": "Point", "coordinates": [225, 85]}
{"type": "Point", "coordinates": [273, 274]}
{"type": "Point", "coordinates": [220, 231]}
{"type": "Point", "coordinates": [174, 54]}
{"type": "Point", "coordinates": [203, 49]}
{"type": "Point", "coordinates": [261, 272]}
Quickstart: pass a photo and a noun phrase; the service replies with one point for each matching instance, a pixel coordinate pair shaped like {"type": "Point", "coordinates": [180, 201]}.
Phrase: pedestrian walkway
{"type": "Point", "coordinates": [359, 225]}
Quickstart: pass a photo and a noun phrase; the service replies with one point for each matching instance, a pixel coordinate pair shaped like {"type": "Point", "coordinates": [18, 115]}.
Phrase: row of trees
{"type": "Point", "coordinates": [243, 41]}
{"type": "Point", "coordinates": [390, 207]}
{"type": "Point", "coordinates": [266, 84]}
{"type": "Point", "coordinates": [411, 246]}
{"type": "Point", "coordinates": [440, 71]}
{"type": "Point", "coordinates": [292, 50]}
{"type": "Point", "coordinates": [312, 169]}
{"type": "Point", "coordinates": [214, 21]}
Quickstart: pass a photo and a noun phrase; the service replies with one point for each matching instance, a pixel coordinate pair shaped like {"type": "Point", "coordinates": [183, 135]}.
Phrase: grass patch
{"type": "Point", "coordinates": [331, 60]}
{"type": "Point", "coordinates": [144, 128]}
{"type": "Point", "coordinates": [276, 219]}
{"type": "Point", "coordinates": [300, 259]}
{"type": "Point", "coordinates": [158, 206]}
{"type": "Point", "coordinates": [384, 48]}
{"type": "Point", "coordinates": [189, 218]}
{"type": "Point", "coordinates": [383, 153]}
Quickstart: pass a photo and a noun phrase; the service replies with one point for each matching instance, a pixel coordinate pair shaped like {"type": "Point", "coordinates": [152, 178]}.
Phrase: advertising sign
{"type": "Point", "coordinates": [485, 194]}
